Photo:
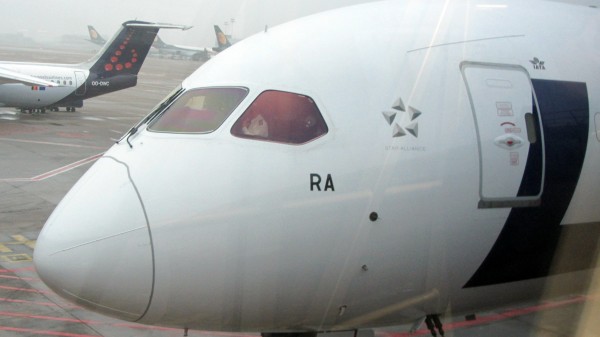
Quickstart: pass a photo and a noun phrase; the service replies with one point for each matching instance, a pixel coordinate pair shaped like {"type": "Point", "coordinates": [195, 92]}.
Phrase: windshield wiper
{"type": "Point", "coordinates": [159, 109]}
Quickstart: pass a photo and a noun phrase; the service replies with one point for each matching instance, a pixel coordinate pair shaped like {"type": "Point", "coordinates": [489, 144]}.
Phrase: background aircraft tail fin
{"type": "Point", "coordinates": [222, 41]}
{"type": "Point", "coordinates": [126, 51]}
{"type": "Point", "coordinates": [95, 36]}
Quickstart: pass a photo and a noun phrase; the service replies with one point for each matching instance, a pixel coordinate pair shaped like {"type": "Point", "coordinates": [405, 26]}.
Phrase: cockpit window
{"type": "Point", "coordinates": [199, 110]}
{"type": "Point", "coordinates": [282, 117]}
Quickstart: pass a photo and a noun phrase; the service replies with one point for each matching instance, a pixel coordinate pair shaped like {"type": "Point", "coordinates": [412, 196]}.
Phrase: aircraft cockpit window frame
{"type": "Point", "coordinates": [162, 106]}
{"type": "Point", "coordinates": [281, 117]}
{"type": "Point", "coordinates": [198, 111]}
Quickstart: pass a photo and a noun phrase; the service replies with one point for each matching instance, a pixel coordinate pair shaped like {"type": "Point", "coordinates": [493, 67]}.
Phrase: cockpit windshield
{"type": "Point", "coordinates": [199, 110]}
{"type": "Point", "coordinates": [281, 117]}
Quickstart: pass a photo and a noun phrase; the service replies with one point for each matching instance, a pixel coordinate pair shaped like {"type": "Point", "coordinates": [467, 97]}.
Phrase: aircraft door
{"type": "Point", "coordinates": [80, 83]}
{"type": "Point", "coordinates": [509, 134]}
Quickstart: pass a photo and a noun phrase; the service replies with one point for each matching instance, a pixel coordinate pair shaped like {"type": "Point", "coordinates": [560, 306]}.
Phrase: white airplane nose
{"type": "Point", "coordinates": [96, 249]}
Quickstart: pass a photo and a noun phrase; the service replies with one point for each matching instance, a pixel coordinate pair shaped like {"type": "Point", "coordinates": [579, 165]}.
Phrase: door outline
{"type": "Point", "coordinates": [505, 202]}
{"type": "Point", "coordinates": [80, 83]}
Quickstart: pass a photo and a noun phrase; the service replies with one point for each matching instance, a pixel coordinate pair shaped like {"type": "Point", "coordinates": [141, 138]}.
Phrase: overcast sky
{"type": "Point", "coordinates": [45, 20]}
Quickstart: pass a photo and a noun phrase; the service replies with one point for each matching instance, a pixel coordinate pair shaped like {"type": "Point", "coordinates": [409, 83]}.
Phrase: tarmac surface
{"type": "Point", "coordinates": [43, 155]}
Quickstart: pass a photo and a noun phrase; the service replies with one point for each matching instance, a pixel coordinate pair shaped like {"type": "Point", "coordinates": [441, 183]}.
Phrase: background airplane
{"type": "Point", "coordinates": [95, 36]}
{"type": "Point", "coordinates": [222, 40]}
{"type": "Point", "coordinates": [287, 191]}
{"type": "Point", "coordinates": [193, 53]}
{"type": "Point", "coordinates": [41, 86]}
{"type": "Point", "coordinates": [181, 52]}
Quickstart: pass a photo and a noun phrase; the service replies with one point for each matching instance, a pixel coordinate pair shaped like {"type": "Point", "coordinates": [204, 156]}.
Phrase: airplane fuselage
{"type": "Point", "coordinates": [73, 85]}
{"type": "Point", "coordinates": [458, 170]}
{"type": "Point", "coordinates": [115, 67]}
{"type": "Point", "coordinates": [181, 52]}
{"type": "Point", "coordinates": [67, 78]}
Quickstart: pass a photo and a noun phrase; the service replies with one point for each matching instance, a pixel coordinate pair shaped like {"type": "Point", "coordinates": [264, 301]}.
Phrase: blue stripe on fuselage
{"type": "Point", "coordinates": [532, 237]}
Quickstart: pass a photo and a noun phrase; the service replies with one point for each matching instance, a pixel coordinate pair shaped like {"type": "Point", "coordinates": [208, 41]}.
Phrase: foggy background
{"type": "Point", "coordinates": [63, 23]}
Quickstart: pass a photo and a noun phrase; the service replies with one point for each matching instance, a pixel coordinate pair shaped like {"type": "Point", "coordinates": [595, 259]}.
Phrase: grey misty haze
{"type": "Point", "coordinates": [49, 20]}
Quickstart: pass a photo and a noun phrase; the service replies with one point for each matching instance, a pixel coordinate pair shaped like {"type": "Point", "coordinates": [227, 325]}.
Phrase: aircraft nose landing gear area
{"type": "Point", "coordinates": [434, 325]}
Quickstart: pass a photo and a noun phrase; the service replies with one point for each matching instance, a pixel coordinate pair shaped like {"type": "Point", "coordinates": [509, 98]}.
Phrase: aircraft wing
{"type": "Point", "coordinates": [157, 25]}
{"type": "Point", "coordinates": [9, 76]}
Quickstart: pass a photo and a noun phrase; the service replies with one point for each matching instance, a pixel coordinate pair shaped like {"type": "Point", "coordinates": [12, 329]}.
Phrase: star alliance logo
{"type": "Point", "coordinates": [403, 121]}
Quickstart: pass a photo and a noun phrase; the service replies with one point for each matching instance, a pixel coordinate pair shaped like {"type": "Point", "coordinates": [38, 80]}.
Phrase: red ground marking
{"type": "Point", "coordinates": [55, 172]}
{"type": "Point", "coordinates": [90, 322]}
{"type": "Point", "coordinates": [66, 168]}
{"type": "Point", "coordinates": [47, 304]}
{"type": "Point", "coordinates": [48, 318]}
{"type": "Point", "coordinates": [29, 290]}
{"type": "Point", "coordinates": [17, 270]}
{"type": "Point", "coordinates": [44, 332]}
{"type": "Point", "coordinates": [19, 278]}
{"type": "Point", "coordinates": [447, 327]}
